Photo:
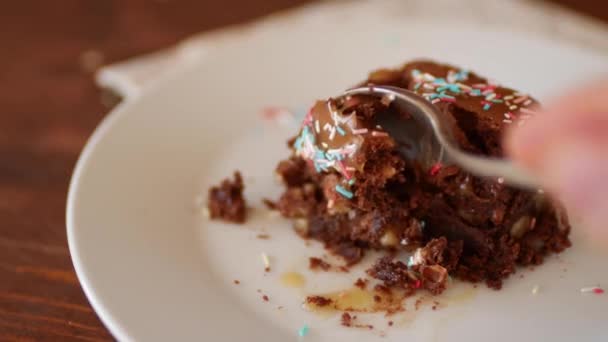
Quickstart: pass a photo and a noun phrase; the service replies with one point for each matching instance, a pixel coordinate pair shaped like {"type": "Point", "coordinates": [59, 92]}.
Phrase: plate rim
{"type": "Point", "coordinates": [117, 329]}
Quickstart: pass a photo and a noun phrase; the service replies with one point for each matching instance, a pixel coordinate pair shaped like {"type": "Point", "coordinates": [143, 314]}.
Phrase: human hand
{"type": "Point", "coordinates": [566, 147]}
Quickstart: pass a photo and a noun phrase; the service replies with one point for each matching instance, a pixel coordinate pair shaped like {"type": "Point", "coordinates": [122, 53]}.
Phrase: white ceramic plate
{"type": "Point", "coordinates": [155, 270]}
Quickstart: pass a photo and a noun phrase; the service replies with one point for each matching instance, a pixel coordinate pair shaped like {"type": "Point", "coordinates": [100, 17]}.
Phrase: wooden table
{"type": "Point", "coordinates": [50, 106]}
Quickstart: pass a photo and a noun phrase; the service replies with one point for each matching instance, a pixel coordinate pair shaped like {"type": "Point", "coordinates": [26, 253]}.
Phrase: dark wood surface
{"type": "Point", "coordinates": [49, 106]}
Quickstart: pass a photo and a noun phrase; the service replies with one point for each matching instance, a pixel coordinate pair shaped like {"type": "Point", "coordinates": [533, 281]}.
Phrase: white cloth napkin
{"type": "Point", "coordinates": [130, 78]}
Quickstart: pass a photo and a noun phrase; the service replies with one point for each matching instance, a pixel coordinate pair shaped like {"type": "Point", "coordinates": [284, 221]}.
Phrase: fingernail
{"type": "Point", "coordinates": [578, 175]}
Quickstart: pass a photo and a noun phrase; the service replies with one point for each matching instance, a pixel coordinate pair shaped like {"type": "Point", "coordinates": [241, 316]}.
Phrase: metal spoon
{"type": "Point", "coordinates": [429, 139]}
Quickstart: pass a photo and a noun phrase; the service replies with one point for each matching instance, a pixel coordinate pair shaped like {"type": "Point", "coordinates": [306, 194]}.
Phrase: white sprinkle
{"type": "Point", "coordinates": [500, 180]}
{"type": "Point", "coordinates": [324, 144]}
{"type": "Point", "coordinates": [535, 289]}
{"type": "Point", "coordinates": [317, 128]}
{"type": "Point", "coordinates": [507, 121]}
{"type": "Point", "coordinates": [330, 204]}
{"type": "Point", "coordinates": [490, 97]}
{"type": "Point", "coordinates": [540, 191]}
{"type": "Point", "coordinates": [387, 99]}
{"type": "Point", "coordinates": [528, 102]}
{"type": "Point", "coordinates": [332, 133]}
{"type": "Point", "coordinates": [513, 107]}
{"type": "Point", "coordinates": [360, 131]}
{"type": "Point", "coordinates": [350, 168]}
{"type": "Point", "coordinates": [520, 99]}
{"type": "Point", "coordinates": [327, 127]}
{"type": "Point", "coordinates": [405, 241]}
{"type": "Point", "coordinates": [527, 111]}
{"type": "Point", "coordinates": [507, 116]}
{"type": "Point", "coordinates": [590, 289]}
{"type": "Point", "coordinates": [508, 97]}
{"type": "Point", "coordinates": [435, 101]}
{"type": "Point", "coordinates": [266, 262]}
{"type": "Point", "coordinates": [206, 213]}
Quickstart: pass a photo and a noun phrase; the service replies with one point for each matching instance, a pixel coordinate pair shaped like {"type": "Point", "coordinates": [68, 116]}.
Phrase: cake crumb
{"type": "Point", "coordinates": [263, 236]}
{"type": "Point", "coordinates": [319, 301]}
{"type": "Point", "coordinates": [226, 202]}
{"type": "Point", "coordinates": [361, 283]}
{"type": "Point", "coordinates": [236, 282]}
{"type": "Point", "coordinates": [265, 298]}
{"type": "Point", "coordinates": [318, 263]}
{"type": "Point", "coordinates": [390, 323]}
{"type": "Point", "coordinates": [346, 319]}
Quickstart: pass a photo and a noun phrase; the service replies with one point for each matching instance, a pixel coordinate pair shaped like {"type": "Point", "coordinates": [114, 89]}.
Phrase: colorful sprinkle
{"type": "Point", "coordinates": [535, 289]}
{"type": "Point", "coordinates": [486, 106]}
{"type": "Point", "coordinates": [360, 131]}
{"type": "Point", "coordinates": [435, 169]}
{"type": "Point", "coordinates": [593, 289]}
{"type": "Point", "coordinates": [342, 191]}
{"type": "Point", "coordinates": [379, 134]}
{"type": "Point", "coordinates": [303, 331]}
{"type": "Point", "coordinates": [266, 262]}
{"type": "Point", "coordinates": [340, 131]}
{"type": "Point", "coordinates": [527, 111]}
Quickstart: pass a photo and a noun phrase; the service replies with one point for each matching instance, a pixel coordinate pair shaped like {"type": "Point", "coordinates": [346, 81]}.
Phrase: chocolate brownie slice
{"type": "Point", "coordinates": [349, 184]}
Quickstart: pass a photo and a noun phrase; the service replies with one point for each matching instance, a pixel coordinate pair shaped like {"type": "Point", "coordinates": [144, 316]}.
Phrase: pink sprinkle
{"type": "Point", "coordinates": [272, 113]}
{"type": "Point", "coordinates": [527, 111]}
{"type": "Point", "coordinates": [347, 175]}
{"type": "Point", "coordinates": [379, 134]}
{"type": "Point", "coordinates": [417, 284]}
{"type": "Point", "coordinates": [435, 169]}
{"type": "Point", "coordinates": [598, 290]}
{"type": "Point", "coordinates": [360, 131]}
{"type": "Point", "coordinates": [447, 99]}
{"type": "Point", "coordinates": [520, 99]}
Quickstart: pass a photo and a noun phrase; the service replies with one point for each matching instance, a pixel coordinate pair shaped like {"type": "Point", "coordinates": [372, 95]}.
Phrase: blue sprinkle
{"type": "Point", "coordinates": [298, 143]}
{"type": "Point", "coordinates": [462, 75]}
{"type": "Point", "coordinates": [417, 86]}
{"type": "Point", "coordinates": [415, 72]}
{"type": "Point", "coordinates": [434, 96]}
{"type": "Point", "coordinates": [455, 88]}
{"type": "Point", "coordinates": [344, 192]}
{"type": "Point", "coordinates": [340, 130]}
{"type": "Point", "coordinates": [486, 106]}
{"type": "Point", "coordinates": [303, 330]}
{"type": "Point", "coordinates": [476, 92]}
{"type": "Point", "coordinates": [351, 181]}
{"type": "Point", "coordinates": [440, 81]}
{"type": "Point", "coordinates": [445, 96]}
{"type": "Point", "coordinates": [317, 167]}
{"type": "Point", "coordinates": [497, 101]}
{"type": "Point", "coordinates": [442, 88]}
{"type": "Point", "coordinates": [410, 261]}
